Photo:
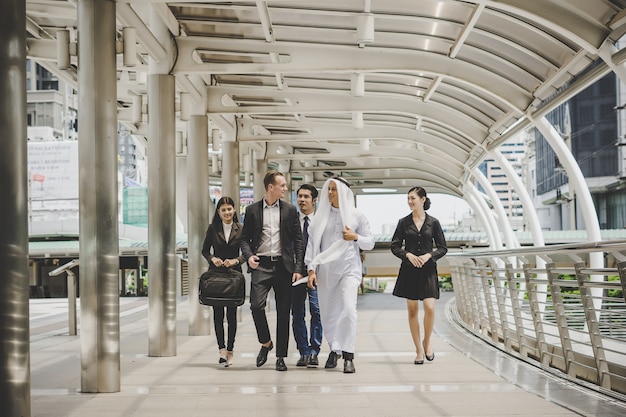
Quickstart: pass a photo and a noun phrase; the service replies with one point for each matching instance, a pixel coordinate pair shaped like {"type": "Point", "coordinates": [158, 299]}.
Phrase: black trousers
{"type": "Point", "coordinates": [218, 322]}
{"type": "Point", "coordinates": [272, 275]}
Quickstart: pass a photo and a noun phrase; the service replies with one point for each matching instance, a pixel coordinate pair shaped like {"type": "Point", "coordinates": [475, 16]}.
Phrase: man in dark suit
{"type": "Point", "coordinates": [309, 347]}
{"type": "Point", "coordinates": [271, 243]}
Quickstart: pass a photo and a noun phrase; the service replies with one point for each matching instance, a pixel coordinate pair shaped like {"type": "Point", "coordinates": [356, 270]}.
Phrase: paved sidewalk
{"type": "Point", "coordinates": [386, 382]}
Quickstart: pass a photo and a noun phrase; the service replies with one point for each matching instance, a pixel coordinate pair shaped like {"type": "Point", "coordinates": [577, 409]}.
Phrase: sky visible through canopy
{"type": "Point", "coordinates": [387, 209]}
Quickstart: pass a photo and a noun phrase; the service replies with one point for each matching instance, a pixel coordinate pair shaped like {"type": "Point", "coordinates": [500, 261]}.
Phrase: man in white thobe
{"type": "Point", "coordinates": [336, 234]}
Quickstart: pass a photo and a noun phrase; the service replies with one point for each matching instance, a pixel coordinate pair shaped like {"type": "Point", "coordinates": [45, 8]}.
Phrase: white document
{"type": "Point", "coordinates": [302, 280]}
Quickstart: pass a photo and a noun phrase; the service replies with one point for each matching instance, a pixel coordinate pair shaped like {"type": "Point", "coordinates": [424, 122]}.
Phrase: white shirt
{"type": "Point", "coordinates": [227, 229]}
{"type": "Point", "coordinates": [270, 235]}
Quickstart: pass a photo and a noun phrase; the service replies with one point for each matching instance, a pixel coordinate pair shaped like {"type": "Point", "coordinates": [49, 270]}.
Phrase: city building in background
{"type": "Point", "coordinates": [514, 150]}
{"type": "Point", "coordinates": [52, 106]}
{"type": "Point", "coordinates": [592, 124]}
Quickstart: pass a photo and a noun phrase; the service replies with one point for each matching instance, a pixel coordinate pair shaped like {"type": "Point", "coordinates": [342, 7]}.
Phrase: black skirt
{"type": "Point", "coordinates": [417, 283]}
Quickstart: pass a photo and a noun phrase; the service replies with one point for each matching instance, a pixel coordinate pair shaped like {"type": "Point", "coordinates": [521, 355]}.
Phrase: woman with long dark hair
{"type": "Point", "coordinates": [221, 250]}
{"type": "Point", "coordinates": [417, 280]}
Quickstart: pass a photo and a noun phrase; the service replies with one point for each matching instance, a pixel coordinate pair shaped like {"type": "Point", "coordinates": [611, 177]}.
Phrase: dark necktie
{"type": "Point", "coordinates": [305, 231]}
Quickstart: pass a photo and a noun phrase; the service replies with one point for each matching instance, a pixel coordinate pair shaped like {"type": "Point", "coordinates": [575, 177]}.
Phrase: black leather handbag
{"type": "Point", "coordinates": [222, 287]}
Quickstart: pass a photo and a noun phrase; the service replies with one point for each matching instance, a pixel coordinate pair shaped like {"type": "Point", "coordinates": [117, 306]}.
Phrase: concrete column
{"type": "Point", "coordinates": [230, 171]}
{"type": "Point", "coordinates": [181, 192]}
{"type": "Point", "coordinates": [14, 325]}
{"type": "Point", "coordinates": [288, 195]}
{"type": "Point", "coordinates": [197, 218]}
{"type": "Point", "coordinates": [260, 169]}
{"type": "Point", "coordinates": [162, 260]}
{"type": "Point", "coordinates": [99, 244]}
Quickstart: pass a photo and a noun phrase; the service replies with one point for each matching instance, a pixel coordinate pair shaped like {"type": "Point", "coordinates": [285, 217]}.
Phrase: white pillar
{"type": "Point", "coordinates": [288, 195]}
{"type": "Point", "coordinates": [198, 218]}
{"type": "Point", "coordinates": [530, 213]}
{"type": "Point", "coordinates": [505, 225]}
{"type": "Point", "coordinates": [577, 181]}
{"type": "Point", "coordinates": [260, 169]}
{"type": "Point", "coordinates": [182, 209]}
{"type": "Point", "coordinates": [480, 208]}
{"type": "Point", "coordinates": [162, 259]}
{"type": "Point", "coordinates": [522, 194]}
{"type": "Point", "coordinates": [230, 171]}
{"type": "Point", "coordinates": [575, 176]}
{"type": "Point", "coordinates": [98, 201]}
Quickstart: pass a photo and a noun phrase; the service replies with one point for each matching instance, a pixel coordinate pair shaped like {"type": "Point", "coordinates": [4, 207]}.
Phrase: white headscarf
{"type": "Point", "coordinates": [346, 210]}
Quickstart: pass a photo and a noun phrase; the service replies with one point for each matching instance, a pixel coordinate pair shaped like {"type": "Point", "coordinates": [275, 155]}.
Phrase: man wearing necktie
{"type": "Point", "coordinates": [309, 347]}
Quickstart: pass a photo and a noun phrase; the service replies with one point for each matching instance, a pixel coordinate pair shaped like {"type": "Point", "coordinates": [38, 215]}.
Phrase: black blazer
{"type": "Point", "coordinates": [418, 242]}
{"type": "Point", "coordinates": [292, 246]}
{"type": "Point", "coordinates": [215, 244]}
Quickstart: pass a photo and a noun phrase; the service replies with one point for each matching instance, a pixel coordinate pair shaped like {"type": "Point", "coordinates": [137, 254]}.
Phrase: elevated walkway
{"type": "Point", "coordinates": [467, 377]}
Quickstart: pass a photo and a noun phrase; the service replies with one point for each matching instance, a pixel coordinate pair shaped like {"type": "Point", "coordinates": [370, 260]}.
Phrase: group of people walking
{"type": "Point", "coordinates": [315, 255]}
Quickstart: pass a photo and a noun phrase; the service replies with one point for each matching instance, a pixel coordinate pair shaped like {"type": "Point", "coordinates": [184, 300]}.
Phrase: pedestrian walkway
{"type": "Point", "coordinates": [467, 378]}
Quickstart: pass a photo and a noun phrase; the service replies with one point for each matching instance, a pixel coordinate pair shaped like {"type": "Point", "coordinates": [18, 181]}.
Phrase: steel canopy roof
{"type": "Point", "coordinates": [308, 86]}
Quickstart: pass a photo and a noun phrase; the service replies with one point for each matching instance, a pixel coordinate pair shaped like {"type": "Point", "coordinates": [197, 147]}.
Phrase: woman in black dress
{"type": "Point", "coordinates": [221, 249]}
{"type": "Point", "coordinates": [417, 280]}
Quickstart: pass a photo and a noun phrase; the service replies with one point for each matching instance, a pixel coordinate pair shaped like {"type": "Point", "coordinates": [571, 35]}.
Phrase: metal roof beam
{"type": "Point", "coordinates": [303, 58]}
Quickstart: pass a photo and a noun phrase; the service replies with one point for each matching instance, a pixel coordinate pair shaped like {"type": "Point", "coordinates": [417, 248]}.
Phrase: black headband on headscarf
{"type": "Point", "coordinates": [343, 180]}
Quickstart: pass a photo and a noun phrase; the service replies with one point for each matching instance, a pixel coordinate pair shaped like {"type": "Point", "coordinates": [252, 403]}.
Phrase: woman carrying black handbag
{"type": "Point", "coordinates": [221, 250]}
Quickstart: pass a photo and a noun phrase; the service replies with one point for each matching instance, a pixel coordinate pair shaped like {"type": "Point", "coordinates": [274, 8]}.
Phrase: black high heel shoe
{"type": "Point", "coordinates": [418, 361]}
{"type": "Point", "coordinates": [430, 357]}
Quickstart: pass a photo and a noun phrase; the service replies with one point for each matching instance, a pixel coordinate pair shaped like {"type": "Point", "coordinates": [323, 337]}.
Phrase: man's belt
{"type": "Point", "coordinates": [269, 259]}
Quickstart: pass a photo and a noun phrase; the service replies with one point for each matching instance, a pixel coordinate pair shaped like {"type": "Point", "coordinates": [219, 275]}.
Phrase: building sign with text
{"type": "Point", "coordinates": [53, 175]}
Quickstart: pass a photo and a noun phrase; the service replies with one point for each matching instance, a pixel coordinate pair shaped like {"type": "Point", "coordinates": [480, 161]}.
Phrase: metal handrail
{"type": "Point", "coordinates": [547, 305]}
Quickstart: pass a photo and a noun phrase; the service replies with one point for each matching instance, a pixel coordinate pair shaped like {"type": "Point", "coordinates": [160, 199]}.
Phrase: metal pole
{"type": "Point", "coordinates": [162, 260]}
{"type": "Point", "coordinates": [482, 211]}
{"type": "Point", "coordinates": [71, 302]}
{"type": "Point", "coordinates": [197, 218]}
{"type": "Point", "coordinates": [99, 244]}
{"type": "Point", "coordinates": [522, 193]}
{"type": "Point", "coordinates": [230, 171]}
{"type": "Point", "coordinates": [502, 219]}
{"type": "Point", "coordinates": [260, 169]}
{"type": "Point", "coordinates": [14, 323]}
{"type": "Point", "coordinates": [579, 185]}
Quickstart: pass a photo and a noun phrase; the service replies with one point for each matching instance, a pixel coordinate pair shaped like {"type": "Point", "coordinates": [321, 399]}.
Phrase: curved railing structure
{"type": "Point", "coordinates": [547, 306]}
